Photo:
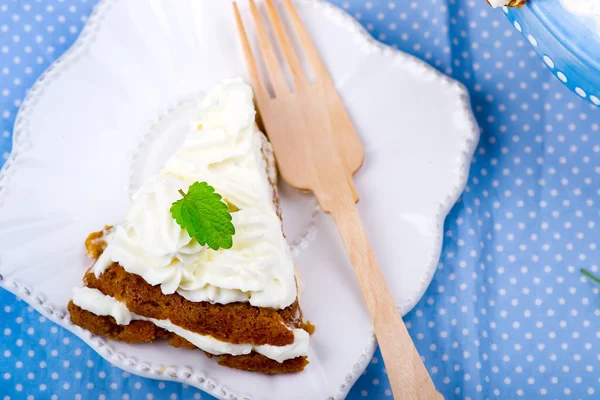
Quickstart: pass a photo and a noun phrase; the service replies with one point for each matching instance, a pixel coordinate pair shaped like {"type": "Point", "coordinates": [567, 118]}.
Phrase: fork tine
{"type": "Point", "coordinates": [275, 71]}
{"type": "Point", "coordinates": [309, 48]}
{"type": "Point", "coordinates": [257, 84]}
{"type": "Point", "coordinates": [300, 78]}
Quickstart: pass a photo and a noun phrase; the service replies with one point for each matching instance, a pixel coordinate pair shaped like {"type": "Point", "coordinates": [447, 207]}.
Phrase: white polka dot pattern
{"type": "Point", "coordinates": [507, 315]}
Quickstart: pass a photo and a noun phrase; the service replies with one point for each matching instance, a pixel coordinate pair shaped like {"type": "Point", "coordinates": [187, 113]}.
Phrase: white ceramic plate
{"type": "Point", "coordinates": [108, 113]}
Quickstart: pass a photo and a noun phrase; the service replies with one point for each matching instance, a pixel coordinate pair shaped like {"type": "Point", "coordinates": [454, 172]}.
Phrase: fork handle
{"type": "Point", "coordinates": [408, 376]}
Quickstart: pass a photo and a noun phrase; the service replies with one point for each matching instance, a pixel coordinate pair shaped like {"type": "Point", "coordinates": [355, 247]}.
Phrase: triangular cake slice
{"type": "Point", "coordinates": [151, 280]}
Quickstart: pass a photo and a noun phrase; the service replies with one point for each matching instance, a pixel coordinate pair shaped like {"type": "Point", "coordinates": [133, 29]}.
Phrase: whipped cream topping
{"type": "Point", "coordinates": [98, 303]}
{"type": "Point", "coordinates": [498, 3]}
{"type": "Point", "coordinates": [226, 150]}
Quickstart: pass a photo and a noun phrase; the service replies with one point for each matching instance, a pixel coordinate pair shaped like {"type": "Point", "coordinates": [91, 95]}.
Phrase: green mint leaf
{"type": "Point", "coordinates": [589, 275]}
{"type": "Point", "coordinates": [205, 216]}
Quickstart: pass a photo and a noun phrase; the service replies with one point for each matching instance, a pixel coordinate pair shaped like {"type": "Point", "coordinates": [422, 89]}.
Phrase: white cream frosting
{"type": "Point", "coordinates": [96, 302]}
{"type": "Point", "coordinates": [498, 3]}
{"type": "Point", "coordinates": [225, 149]}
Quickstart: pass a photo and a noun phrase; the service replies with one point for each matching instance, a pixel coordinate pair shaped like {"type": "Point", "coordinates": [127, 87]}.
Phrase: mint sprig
{"type": "Point", "coordinates": [589, 275]}
{"type": "Point", "coordinates": [205, 216]}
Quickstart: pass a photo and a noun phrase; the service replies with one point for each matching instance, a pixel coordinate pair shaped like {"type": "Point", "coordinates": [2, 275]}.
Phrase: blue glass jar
{"type": "Point", "coordinates": [568, 44]}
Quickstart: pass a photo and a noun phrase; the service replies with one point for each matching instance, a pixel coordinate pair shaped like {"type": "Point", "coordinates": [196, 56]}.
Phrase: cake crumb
{"type": "Point", "coordinates": [308, 327]}
{"type": "Point", "coordinates": [95, 243]}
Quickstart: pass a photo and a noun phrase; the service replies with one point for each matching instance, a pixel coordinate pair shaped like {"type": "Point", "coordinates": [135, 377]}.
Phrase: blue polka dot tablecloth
{"type": "Point", "coordinates": [508, 313]}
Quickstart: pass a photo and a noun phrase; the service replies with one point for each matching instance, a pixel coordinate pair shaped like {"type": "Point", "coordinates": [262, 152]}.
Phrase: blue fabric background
{"type": "Point", "coordinates": [507, 315]}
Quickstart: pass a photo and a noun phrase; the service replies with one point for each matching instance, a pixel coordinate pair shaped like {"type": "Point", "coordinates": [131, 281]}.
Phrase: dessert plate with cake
{"type": "Point", "coordinates": [199, 266]}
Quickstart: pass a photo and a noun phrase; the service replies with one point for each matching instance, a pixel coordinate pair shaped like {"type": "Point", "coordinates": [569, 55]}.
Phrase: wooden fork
{"type": "Point", "coordinates": [317, 149]}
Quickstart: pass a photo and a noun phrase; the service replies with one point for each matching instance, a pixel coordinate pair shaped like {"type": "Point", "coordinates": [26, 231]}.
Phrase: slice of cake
{"type": "Point", "coordinates": [196, 269]}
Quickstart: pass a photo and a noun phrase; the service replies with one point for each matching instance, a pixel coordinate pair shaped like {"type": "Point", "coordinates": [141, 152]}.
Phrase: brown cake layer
{"type": "Point", "coordinates": [145, 331]}
{"type": "Point", "coordinates": [259, 363]}
{"type": "Point", "coordinates": [237, 323]}
{"type": "Point", "coordinates": [516, 3]}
